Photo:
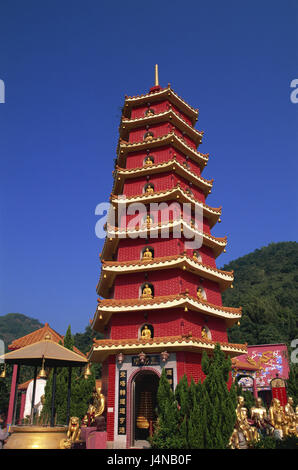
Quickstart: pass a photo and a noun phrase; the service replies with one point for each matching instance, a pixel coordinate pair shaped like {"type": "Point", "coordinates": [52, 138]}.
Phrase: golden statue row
{"type": "Point", "coordinates": [148, 255]}
{"type": "Point", "coordinates": [147, 292]}
{"type": "Point", "coordinates": [279, 422]}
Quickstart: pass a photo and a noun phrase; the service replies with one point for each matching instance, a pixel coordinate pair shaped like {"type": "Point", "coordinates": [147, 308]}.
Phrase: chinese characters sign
{"type": "Point", "coordinates": [122, 402]}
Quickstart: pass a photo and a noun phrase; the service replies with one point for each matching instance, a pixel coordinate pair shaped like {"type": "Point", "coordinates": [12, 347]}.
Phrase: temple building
{"type": "Point", "coordinates": [160, 303]}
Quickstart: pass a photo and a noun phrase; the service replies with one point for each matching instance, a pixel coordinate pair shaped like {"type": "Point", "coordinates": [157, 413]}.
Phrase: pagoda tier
{"type": "Point", "coordinates": [115, 234]}
{"type": "Point", "coordinates": [108, 307]}
{"type": "Point", "coordinates": [175, 194]}
{"type": "Point", "coordinates": [169, 116]}
{"type": "Point", "coordinates": [104, 348]}
{"type": "Point", "coordinates": [111, 269]}
{"type": "Point", "coordinates": [123, 175]}
{"type": "Point", "coordinates": [163, 304]}
{"type": "Point", "coordinates": [166, 141]}
{"type": "Point", "coordinates": [134, 105]}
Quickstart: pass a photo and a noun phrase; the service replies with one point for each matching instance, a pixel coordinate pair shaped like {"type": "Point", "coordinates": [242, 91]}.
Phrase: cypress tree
{"type": "Point", "coordinates": [167, 427]}
{"type": "Point", "coordinates": [219, 403]}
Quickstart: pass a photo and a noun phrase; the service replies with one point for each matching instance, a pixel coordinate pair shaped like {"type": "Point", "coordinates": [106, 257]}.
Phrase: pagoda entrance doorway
{"type": "Point", "coordinates": [144, 401]}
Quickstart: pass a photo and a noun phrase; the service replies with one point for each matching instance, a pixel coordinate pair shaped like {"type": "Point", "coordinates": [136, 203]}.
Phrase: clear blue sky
{"type": "Point", "coordinates": [67, 66]}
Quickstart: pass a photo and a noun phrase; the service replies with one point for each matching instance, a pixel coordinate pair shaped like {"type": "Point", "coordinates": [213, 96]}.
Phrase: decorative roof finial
{"type": "Point", "coordinates": [156, 75]}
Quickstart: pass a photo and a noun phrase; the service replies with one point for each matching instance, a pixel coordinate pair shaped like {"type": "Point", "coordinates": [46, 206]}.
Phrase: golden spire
{"type": "Point", "coordinates": [156, 75]}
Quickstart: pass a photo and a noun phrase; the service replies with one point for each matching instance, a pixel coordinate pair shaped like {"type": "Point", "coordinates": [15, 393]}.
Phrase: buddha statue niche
{"type": "Point", "coordinates": [150, 112]}
{"type": "Point", "coordinates": [146, 333]}
{"type": "Point", "coordinates": [204, 332]}
{"type": "Point", "coordinates": [147, 255]}
{"type": "Point", "coordinates": [200, 294]}
{"type": "Point", "coordinates": [148, 161]}
{"type": "Point", "coordinates": [147, 292]}
{"type": "Point", "coordinates": [149, 189]}
{"type": "Point", "coordinates": [148, 136]}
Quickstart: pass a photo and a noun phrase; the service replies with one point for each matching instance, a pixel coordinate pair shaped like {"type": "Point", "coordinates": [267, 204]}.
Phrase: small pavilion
{"type": "Point", "coordinates": [44, 333]}
{"type": "Point", "coordinates": [49, 354]}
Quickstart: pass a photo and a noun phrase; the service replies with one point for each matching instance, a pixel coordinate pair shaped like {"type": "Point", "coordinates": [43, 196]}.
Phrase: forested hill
{"type": "Point", "coordinates": [265, 286]}
{"type": "Point", "coordinates": [16, 325]}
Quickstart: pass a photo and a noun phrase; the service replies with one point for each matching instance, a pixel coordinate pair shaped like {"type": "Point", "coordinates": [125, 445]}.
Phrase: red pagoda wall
{"type": "Point", "coordinates": [173, 322]}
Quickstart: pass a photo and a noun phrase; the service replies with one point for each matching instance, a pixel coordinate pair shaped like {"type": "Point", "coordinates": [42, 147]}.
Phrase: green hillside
{"type": "Point", "coordinates": [265, 286]}
{"type": "Point", "coordinates": [16, 325]}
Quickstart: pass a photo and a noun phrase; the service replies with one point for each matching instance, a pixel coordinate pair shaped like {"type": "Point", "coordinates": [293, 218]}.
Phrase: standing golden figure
{"type": "Point", "coordinates": [258, 413]}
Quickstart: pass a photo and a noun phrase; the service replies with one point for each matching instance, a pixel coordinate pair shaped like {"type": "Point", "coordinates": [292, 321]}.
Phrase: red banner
{"type": "Point", "coordinates": [281, 394]}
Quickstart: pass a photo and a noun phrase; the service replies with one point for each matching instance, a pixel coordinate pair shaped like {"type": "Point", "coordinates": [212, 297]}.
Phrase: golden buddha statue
{"type": "Point", "coordinates": [234, 440]}
{"type": "Point", "coordinates": [147, 292]}
{"type": "Point", "coordinates": [259, 413]}
{"type": "Point", "coordinates": [95, 409]}
{"type": "Point", "coordinates": [149, 189]}
{"type": "Point", "coordinates": [99, 402]}
{"type": "Point", "coordinates": [249, 432]}
{"type": "Point", "coordinates": [150, 112]}
{"type": "Point", "coordinates": [148, 136]}
{"type": "Point", "coordinates": [277, 417]}
{"type": "Point", "coordinates": [290, 417]}
{"type": "Point", "coordinates": [148, 161]}
{"type": "Point", "coordinates": [146, 333]}
{"type": "Point", "coordinates": [149, 220]}
{"type": "Point", "coordinates": [147, 255]}
{"type": "Point", "coordinates": [204, 332]}
{"type": "Point", "coordinates": [200, 294]}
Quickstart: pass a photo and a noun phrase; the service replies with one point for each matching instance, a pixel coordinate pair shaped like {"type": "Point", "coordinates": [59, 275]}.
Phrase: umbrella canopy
{"type": "Point", "coordinates": [53, 353]}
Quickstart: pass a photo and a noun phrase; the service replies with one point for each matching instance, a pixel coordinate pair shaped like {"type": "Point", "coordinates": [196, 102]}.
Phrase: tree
{"type": "Point", "coordinates": [218, 402]}
{"type": "Point", "coordinates": [167, 427]}
{"type": "Point", "coordinates": [197, 416]}
{"type": "Point", "coordinates": [81, 390]}
{"type": "Point", "coordinates": [292, 383]}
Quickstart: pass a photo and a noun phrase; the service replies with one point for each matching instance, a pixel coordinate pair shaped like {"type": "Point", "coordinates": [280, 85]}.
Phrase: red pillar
{"type": "Point", "coordinates": [255, 390]}
{"type": "Point", "coordinates": [12, 394]}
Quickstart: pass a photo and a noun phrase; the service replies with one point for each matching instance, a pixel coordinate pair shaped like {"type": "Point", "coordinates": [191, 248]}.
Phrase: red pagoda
{"type": "Point", "coordinates": [161, 305]}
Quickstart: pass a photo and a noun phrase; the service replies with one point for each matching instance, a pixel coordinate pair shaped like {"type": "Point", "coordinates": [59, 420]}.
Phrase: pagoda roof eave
{"type": "Point", "coordinates": [170, 116]}
{"type": "Point", "coordinates": [111, 269]}
{"type": "Point", "coordinates": [107, 307]}
{"type": "Point", "coordinates": [211, 213]}
{"type": "Point", "coordinates": [171, 138]}
{"type": "Point", "coordinates": [173, 164]}
{"type": "Point", "coordinates": [104, 348]}
{"type": "Point", "coordinates": [167, 93]}
{"type": "Point", "coordinates": [114, 234]}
